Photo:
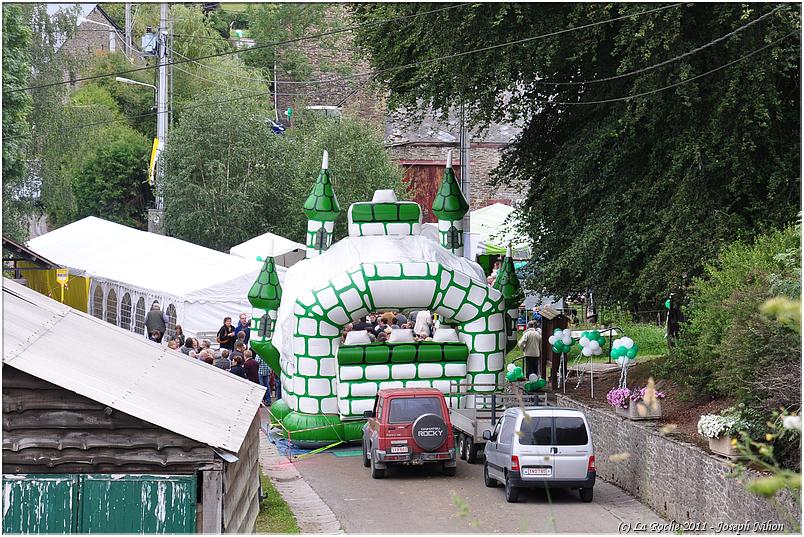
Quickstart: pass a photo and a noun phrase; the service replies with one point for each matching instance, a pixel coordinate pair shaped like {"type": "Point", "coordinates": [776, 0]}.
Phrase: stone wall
{"type": "Point", "coordinates": [678, 480]}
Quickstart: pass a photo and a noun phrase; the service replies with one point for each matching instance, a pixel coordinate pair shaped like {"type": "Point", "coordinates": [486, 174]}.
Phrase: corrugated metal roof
{"type": "Point", "coordinates": [125, 371]}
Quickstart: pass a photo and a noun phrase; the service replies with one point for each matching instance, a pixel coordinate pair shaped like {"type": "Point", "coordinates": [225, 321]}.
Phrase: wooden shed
{"type": "Point", "coordinates": [106, 432]}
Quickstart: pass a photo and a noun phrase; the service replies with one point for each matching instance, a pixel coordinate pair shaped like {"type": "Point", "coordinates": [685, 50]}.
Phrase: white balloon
{"type": "Point", "coordinates": [599, 351]}
{"type": "Point", "coordinates": [511, 367]}
{"type": "Point", "coordinates": [586, 351]}
{"type": "Point", "coordinates": [552, 339]}
{"type": "Point", "coordinates": [567, 340]}
{"type": "Point", "coordinates": [628, 342]}
{"type": "Point", "coordinates": [567, 332]}
{"type": "Point", "coordinates": [584, 341]}
{"type": "Point", "coordinates": [533, 376]}
{"type": "Point", "coordinates": [594, 345]}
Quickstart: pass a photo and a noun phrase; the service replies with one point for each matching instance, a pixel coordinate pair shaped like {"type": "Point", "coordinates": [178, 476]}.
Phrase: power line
{"type": "Point", "coordinates": [223, 71]}
{"type": "Point", "coordinates": [546, 102]}
{"type": "Point", "coordinates": [350, 77]}
{"type": "Point", "coordinates": [239, 51]}
{"type": "Point", "coordinates": [666, 62]}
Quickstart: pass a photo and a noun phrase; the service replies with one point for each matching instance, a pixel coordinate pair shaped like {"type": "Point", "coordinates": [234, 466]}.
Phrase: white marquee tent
{"type": "Point", "coordinates": [285, 252]}
{"type": "Point", "coordinates": [129, 269]}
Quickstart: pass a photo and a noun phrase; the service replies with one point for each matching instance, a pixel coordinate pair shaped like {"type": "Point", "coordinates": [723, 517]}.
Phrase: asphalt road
{"type": "Point", "coordinates": [421, 500]}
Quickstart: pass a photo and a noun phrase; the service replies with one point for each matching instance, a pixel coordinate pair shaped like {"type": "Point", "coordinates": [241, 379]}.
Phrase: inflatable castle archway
{"type": "Point", "coordinates": [385, 263]}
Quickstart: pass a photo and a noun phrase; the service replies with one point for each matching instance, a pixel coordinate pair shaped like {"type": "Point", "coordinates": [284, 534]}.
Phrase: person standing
{"type": "Point", "coordinates": [531, 345]}
{"type": "Point", "coordinates": [244, 325]}
{"type": "Point", "coordinates": [237, 368]}
{"type": "Point", "coordinates": [155, 321]}
{"type": "Point", "coordinates": [264, 374]}
{"type": "Point", "coordinates": [226, 334]}
{"type": "Point", "coordinates": [252, 367]}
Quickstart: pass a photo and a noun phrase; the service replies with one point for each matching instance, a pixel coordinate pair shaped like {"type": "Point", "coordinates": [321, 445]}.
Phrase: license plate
{"type": "Point", "coordinates": [543, 471]}
{"type": "Point", "coordinates": [399, 449]}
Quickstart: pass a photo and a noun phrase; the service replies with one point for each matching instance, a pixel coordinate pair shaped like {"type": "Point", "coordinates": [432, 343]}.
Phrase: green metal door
{"type": "Point", "coordinates": [36, 503]}
{"type": "Point", "coordinates": [138, 504]}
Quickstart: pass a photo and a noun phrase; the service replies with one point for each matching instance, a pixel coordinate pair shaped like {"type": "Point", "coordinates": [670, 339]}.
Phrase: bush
{"type": "Point", "coordinates": [728, 347]}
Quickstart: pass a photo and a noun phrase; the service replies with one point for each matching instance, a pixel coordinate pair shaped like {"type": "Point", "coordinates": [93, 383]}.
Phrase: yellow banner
{"type": "Point", "coordinates": [152, 164]}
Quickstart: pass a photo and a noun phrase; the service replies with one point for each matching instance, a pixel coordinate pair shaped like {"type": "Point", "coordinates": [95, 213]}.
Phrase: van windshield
{"type": "Point", "coordinates": [536, 431]}
{"type": "Point", "coordinates": [407, 409]}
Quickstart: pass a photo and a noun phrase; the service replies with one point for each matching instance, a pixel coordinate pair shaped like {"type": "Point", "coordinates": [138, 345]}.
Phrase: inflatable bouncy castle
{"type": "Point", "coordinates": [387, 263]}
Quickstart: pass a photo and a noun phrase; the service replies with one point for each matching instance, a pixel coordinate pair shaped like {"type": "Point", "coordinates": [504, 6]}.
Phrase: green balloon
{"type": "Point", "coordinates": [635, 347]}
{"type": "Point", "coordinates": [667, 303]}
{"type": "Point", "coordinates": [616, 352]}
{"type": "Point", "coordinates": [517, 372]}
{"type": "Point", "coordinates": [631, 353]}
{"type": "Point", "coordinates": [558, 347]}
{"type": "Point", "coordinates": [510, 376]}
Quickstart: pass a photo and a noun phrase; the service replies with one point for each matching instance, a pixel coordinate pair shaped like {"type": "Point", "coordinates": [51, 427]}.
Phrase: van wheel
{"type": "Point", "coordinates": [366, 461]}
{"type": "Point", "coordinates": [586, 495]}
{"type": "Point", "coordinates": [376, 473]}
{"type": "Point", "coordinates": [462, 446]}
{"type": "Point", "coordinates": [487, 479]}
{"type": "Point", "coordinates": [511, 492]}
{"type": "Point", "coordinates": [471, 450]}
{"type": "Point", "coordinates": [449, 470]}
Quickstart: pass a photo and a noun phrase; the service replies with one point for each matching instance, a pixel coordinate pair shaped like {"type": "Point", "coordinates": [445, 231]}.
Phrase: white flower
{"type": "Point", "coordinates": [792, 422]}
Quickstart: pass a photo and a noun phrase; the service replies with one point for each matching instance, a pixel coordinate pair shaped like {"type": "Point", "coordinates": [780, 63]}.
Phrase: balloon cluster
{"type": "Point", "coordinates": [624, 349]}
{"type": "Point", "coordinates": [514, 373]}
{"type": "Point", "coordinates": [534, 383]}
{"type": "Point", "coordinates": [592, 343]}
{"type": "Point", "coordinates": [561, 340]}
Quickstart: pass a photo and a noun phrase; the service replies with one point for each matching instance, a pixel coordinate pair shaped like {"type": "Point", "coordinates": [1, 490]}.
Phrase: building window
{"type": "Point", "coordinates": [97, 302]}
{"type": "Point", "coordinates": [265, 330]}
{"type": "Point", "coordinates": [139, 316]}
{"type": "Point", "coordinates": [170, 326]}
{"type": "Point", "coordinates": [321, 239]}
{"type": "Point", "coordinates": [111, 307]}
{"type": "Point", "coordinates": [453, 238]}
{"type": "Point", "coordinates": [125, 312]}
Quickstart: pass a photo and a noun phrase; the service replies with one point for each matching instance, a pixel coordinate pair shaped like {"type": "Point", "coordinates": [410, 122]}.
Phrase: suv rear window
{"type": "Point", "coordinates": [536, 431]}
{"type": "Point", "coordinates": [571, 432]}
{"type": "Point", "coordinates": [407, 409]}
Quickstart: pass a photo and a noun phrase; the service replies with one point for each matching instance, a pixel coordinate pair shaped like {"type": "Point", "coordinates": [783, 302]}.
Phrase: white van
{"type": "Point", "coordinates": [540, 447]}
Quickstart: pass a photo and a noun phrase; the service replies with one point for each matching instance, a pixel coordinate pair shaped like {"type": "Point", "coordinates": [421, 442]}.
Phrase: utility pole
{"type": "Point", "coordinates": [156, 216]}
{"type": "Point", "coordinates": [128, 30]}
{"type": "Point", "coordinates": [465, 184]}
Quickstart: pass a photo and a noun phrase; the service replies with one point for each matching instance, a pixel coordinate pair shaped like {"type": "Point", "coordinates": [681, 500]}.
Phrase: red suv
{"type": "Point", "coordinates": [408, 426]}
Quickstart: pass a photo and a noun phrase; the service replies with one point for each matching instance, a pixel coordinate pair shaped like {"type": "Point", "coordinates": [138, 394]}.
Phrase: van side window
{"type": "Point", "coordinates": [378, 412]}
{"type": "Point", "coordinates": [571, 432]}
{"type": "Point", "coordinates": [536, 431]}
{"type": "Point", "coordinates": [507, 431]}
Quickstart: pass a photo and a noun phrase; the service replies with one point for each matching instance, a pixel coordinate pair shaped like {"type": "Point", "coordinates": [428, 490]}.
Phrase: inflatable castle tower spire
{"type": "Point", "coordinates": [265, 296]}
{"type": "Point", "coordinates": [450, 207]}
{"type": "Point", "coordinates": [507, 283]}
{"type": "Point", "coordinates": [322, 210]}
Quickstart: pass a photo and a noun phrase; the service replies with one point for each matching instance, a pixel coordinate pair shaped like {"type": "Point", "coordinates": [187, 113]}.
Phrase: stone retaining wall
{"type": "Point", "coordinates": [678, 480]}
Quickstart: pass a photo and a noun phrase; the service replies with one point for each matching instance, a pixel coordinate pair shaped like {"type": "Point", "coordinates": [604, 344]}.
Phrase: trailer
{"type": "Point", "coordinates": [477, 411]}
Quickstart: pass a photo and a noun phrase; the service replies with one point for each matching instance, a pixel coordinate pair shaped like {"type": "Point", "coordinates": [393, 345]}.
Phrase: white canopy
{"type": "Point", "coordinates": [496, 228]}
{"type": "Point", "coordinates": [69, 348]}
{"type": "Point", "coordinates": [284, 251]}
{"type": "Point", "coordinates": [204, 285]}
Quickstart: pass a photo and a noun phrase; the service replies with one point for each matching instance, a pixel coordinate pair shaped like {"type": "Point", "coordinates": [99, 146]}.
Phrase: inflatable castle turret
{"type": "Point", "coordinates": [450, 207]}
{"type": "Point", "coordinates": [508, 284]}
{"type": "Point", "coordinates": [265, 296]}
{"type": "Point", "coordinates": [322, 210]}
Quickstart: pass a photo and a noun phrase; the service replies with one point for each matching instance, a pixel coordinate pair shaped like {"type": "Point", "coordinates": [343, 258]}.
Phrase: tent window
{"type": "Point", "coordinates": [97, 302]}
{"type": "Point", "coordinates": [321, 239]}
{"type": "Point", "coordinates": [453, 238]}
{"type": "Point", "coordinates": [266, 326]}
{"type": "Point", "coordinates": [111, 307]}
{"type": "Point", "coordinates": [139, 317]}
{"type": "Point", "coordinates": [170, 326]}
{"type": "Point", "coordinates": [125, 312]}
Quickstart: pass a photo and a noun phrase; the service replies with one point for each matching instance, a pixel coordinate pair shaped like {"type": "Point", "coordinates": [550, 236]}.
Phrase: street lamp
{"type": "Point", "coordinates": [133, 82]}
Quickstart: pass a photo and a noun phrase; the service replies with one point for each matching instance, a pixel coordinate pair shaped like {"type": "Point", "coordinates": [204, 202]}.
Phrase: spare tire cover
{"type": "Point", "coordinates": [429, 431]}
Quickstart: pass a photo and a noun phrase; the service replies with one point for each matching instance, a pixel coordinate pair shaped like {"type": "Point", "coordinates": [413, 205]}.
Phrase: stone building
{"type": "Point", "coordinates": [97, 33]}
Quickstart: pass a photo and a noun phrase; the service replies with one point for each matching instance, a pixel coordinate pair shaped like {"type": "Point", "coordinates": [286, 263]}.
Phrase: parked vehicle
{"type": "Point", "coordinates": [482, 414]}
{"type": "Point", "coordinates": [408, 426]}
{"type": "Point", "coordinates": [538, 447]}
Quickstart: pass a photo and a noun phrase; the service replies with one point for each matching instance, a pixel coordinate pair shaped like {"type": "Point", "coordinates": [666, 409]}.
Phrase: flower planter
{"type": "Point", "coordinates": [722, 446]}
{"type": "Point", "coordinates": [638, 410]}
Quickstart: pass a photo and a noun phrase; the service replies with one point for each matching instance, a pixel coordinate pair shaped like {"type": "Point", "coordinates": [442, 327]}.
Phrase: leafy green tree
{"type": "Point", "coordinates": [16, 107]}
{"type": "Point", "coordinates": [112, 183]}
{"type": "Point", "coordinates": [229, 178]}
{"type": "Point", "coordinates": [629, 197]}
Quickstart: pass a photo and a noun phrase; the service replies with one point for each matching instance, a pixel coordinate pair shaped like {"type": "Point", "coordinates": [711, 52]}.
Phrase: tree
{"type": "Point", "coordinates": [229, 178]}
{"type": "Point", "coordinates": [16, 106]}
{"type": "Point", "coordinates": [112, 181]}
{"type": "Point", "coordinates": [629, 197]}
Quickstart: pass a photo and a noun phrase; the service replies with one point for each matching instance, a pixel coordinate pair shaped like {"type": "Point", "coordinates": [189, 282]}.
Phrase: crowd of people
{"type": "Point", "coordinates": [233, 353]}
{"type": "Point", "coordinates": [379, 325]}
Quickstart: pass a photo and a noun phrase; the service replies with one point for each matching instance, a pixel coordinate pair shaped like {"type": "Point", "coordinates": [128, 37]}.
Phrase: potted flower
{"type": "Point", "coordinates": [720, 430]}
{"type": "Point", "coordinates": [637, 404]}
{"type": "Point", "coordinates": [619, 398]}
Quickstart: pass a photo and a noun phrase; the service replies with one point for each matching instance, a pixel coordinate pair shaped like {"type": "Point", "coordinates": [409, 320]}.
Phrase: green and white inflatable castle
{"type": "Point", "coordinates": [385, 263]}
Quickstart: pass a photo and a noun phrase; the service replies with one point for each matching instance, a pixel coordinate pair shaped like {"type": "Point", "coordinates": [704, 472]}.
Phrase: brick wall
{"type": "Point", "coordinates": [678, 480]}
{"type": "Point", "coordinates": [91, 38]}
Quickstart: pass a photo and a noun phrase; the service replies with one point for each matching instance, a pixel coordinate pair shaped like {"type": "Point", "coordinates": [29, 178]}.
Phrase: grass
{"type": "Point", "coordinates": [275, 516]}
{"type": "Point", "coordinates": [649, 338]}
